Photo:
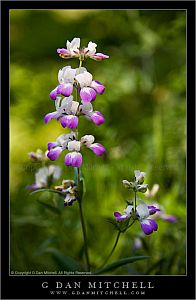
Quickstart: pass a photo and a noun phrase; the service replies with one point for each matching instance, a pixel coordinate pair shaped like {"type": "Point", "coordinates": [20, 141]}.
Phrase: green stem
{"type": "Point", "coordinates": [80, 205]}
{"type": "Point", "coordinates": [135, 200]}
{"type": "Point", "coordinates": [84, 235]}
{"type": "Point", "coordinates": [78, 169]}
{"type": "Point", "coordinates": [115, 244]}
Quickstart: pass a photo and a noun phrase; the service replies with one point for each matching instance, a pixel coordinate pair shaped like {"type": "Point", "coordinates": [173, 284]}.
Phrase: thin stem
{"type": "Point", "coordinates": [135, 202]}
{"type": "Point", "coordinates": [84, 236]}
{"type": "Point", "coordinates": [80, 203]}
{"type": "Point", "coordinates": [80, 64]}
{"type": "Point", "coordinates": [78, 169]}
{"type": "Point", "coordinates": [115, 244]}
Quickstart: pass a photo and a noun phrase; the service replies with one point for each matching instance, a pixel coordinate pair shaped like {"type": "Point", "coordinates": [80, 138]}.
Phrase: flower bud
{"type": "Point", "coordinates": [142, 188]}
{"type": "Point", "coordinates": [139, 176]}
{"type": "Point", "coordinates": [126, 184]}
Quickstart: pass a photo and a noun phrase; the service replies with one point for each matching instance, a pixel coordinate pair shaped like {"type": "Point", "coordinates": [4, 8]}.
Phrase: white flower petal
{"type": "Point", "coordinates": [73, 45]}
{"type": "Point", "coordinates": [66, 75]}
{"type": "Point", "coordinates": [87, 140]}
{"type": "Point", "coordinates": [55, 171]}
{"type": "Point", "coordinates": [142, 211]}
{"type": "Point", "coordinates": [128, 210]}
{"type": "Point", "coordinates": [63, 139]}
{"type": "Point", "coordinates": [92, 48]}
{"type": "Point", "coordinates": [57, 102]}
{"type": "Point", "coordinates": [80, 70]}
{"type": "Point", "coordinates": [86, 108]}
{"type": "Point", "coordinates": [84, 79]}
{"type": "Point", "coordinates": [74, 146]}
{"type": "Point", "coordinates": [74, 107]}
{"type": "Point", "coordinates": [65, 105]}
{"type": "Point", "coordinates": [41, 177]}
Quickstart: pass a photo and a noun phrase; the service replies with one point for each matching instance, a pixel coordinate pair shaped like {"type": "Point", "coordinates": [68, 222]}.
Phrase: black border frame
{"type": "Point", "coordinates": [165, 287]}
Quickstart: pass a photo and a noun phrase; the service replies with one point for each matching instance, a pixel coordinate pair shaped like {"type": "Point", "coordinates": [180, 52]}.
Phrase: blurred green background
{"type": "Point", "coordinates": [145, 109]}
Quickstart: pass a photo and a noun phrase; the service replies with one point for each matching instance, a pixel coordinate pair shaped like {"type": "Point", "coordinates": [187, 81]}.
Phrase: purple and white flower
{"type": "Point", "coordinates": [142, 214]}
{"type": "Point", "coordinates": [95, 116]}
{"type": "Point", "coordinates": [61, 143]}
{"type": "Point", "coordinates": [74, 50]}
{"type": "Point", "coordinates": [127, 213]}
{"type": "Point", "coordinates": [90, 51]}
{"type": "Point", "coordinates": [69, 142]}
{"type": "Point", "coordinates": [88, 141]}
{"type": "Point", "coordinates": [88, 87]}
{"type": "Point", "coordinates": [66, 80]}
{"type": "Point", "coordinates": [43, 176]}
{"type": "Point", "coordinates": [65, 112]}
{"type": "Point", "coordinates": [73, 159]}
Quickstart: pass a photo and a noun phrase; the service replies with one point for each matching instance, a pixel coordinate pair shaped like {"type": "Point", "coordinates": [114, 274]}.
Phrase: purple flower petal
{"type": "Point", "coordinates": [99, 88]}
{"type": "Point", "coordinates": [64, 53]}
{"type": "Point", "coordinates": [72, 122]}
{"type": "Point", "coordinates": [52, 145]}
{"type": "Point", "coordinates": [53, 154]}
{"type": "Point", "coordinates": [32, 187]}
{"type": "Point", "coordinates": [64, 121]}
{"type": "Point", "coordinates": [168, 218]}
{"type": "Point", "coordinates": [152, 209]}
{"type": "Point", "coordinates": [98, 149]}
{"type": "Point", "coordinates": [50, 116]}
{"type": "Point", "coordinates": [53, 94]}
{"type": "Point", "coordinates": [97, 118]}
{"type": "Point", "coordinates": [99, 56]}
{"type": "Point", "coordinates": [120, 217]}
{"type": "Point", "coordinates": [65, 89]}
{"type": "Point", "coordinates": [69, 121]}
{"type": "Point", "coordinates": [73, 159]}
{"type": "Point", "coordinates": [76, 159]}
{"type": "Point", "coordinates": [68, 159]}
{"type": "Point", "coordinates": [87, 94]}
{"type": "Point", "coordinates": [148, 226]}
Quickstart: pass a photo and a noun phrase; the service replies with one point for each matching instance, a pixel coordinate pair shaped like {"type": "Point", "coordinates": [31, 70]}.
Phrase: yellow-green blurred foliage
{"type": "Point", "coordinates": [145, 109]}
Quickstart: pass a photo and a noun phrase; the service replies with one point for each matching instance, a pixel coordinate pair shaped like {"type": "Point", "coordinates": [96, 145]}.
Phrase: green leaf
{"type": "Point", "coordinates": [65, 263]}
{"type": "Point", "coordinates": [48, 190]}
{"type": "Point", "coordinates": [50, 207]}
{"type": "Point", "coordinates": [42, 247]}
{"type": "Point", "coordinates": [60, 203]}
{"type": "Point", "coordinates": [112, 222]}
{"type": "Point", "coordinates": [119, 263]}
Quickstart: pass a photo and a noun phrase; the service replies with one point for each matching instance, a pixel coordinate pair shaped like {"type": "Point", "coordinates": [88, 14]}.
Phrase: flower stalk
{"type": "Point", "coordinates": [68, 111]}
{"type": "Point", "coordinates": [114, 247]}
{"type": "Point", "coordinates": [84, 234]}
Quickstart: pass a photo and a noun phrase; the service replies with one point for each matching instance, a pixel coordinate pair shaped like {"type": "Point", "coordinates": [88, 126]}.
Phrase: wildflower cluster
{"type": "Point", "coordinates": [73, 97]}
{"type": "Point", "coordinates": [69, 108]}
{"type": "Point", "coordinates": [141, 212]}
